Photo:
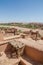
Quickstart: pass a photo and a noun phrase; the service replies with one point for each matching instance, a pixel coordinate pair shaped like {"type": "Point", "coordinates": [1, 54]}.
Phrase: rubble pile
{"type": "Point", "coordinates": [12, 53]}
{"type": "Point", "coordinates": [19, 47]}
{"type": "Point", "coordinates": [34, 34]}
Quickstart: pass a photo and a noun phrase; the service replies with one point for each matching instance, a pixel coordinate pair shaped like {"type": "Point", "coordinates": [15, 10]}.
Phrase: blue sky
{"type": "Point", "coordinates": [21, 11]}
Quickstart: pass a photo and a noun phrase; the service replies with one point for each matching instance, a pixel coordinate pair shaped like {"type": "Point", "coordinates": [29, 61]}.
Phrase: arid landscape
{"type": "Point", "coordinates": [21, 45]}
{"type": "Point", "coordinates": [21, 32]}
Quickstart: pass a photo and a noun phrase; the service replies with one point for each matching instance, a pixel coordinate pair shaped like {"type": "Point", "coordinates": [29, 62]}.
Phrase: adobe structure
{"type": "Point", "coordinates": [1, 36]}
{"type": "Point", "coordinates": [41, 34]}
{"type": "Point", "coordinates": [9, 31]}
{"type": "Point", "coordinates": [35, 34]}
{"type": "Point", "coordinates": [21, 49]}
{"type": "Point", "coordinates": [10, 52]}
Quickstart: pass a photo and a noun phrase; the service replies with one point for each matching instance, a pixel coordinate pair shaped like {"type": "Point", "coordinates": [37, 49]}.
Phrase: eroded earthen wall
{"type": "Point", "coordinates": [22, 63]}
{"type": "Point", "coordinates": [1, 36]}
{"type": "Point", "coordinates": [34, 54]}
{"type": "Point", "coordinates": [3, 47]}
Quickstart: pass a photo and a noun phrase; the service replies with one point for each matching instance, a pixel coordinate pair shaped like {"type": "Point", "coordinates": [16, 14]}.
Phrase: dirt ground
{"type": "Point", "coordinates": [4, 60]}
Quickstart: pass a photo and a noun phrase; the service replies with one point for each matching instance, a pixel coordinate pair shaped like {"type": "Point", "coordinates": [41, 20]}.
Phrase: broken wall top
{"type": "Point", "coordinates": [1, 36]}
{"type": "Point", "coordinates": [17, 44]}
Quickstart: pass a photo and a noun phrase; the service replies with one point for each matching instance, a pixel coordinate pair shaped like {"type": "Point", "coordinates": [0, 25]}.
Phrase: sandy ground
{"type": "Point", "coordinates": [4, 60]}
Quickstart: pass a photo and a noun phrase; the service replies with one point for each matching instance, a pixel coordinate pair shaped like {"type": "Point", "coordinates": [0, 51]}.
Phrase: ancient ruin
{"type": "Point", "coordinates": [23, 49]}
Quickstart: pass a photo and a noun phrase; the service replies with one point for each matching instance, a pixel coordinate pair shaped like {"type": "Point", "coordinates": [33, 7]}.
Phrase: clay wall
{"type": "Point", "coordinates": [34, 54]}
{"type": "Point", "coordinates": [1, 36]}
{"type": "Point", "coordinates": [3, 47]}
{"type": "Point", "coordinates": [22, 63]}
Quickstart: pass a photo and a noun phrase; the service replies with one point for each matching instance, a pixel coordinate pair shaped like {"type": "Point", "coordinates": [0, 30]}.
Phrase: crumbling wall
{"type": "Point", "coordinates": [34, 54]}
{"type": "Point", "coordinates": [11, 30]}
{"type": "Point", "coordinates": [21, 63]}
{"type": "Point", "coordinates": [1, 36]}
{"type": "Point", "coordinates": [3, 47]}
{"type": "Point", "coordinates": [9, 51]}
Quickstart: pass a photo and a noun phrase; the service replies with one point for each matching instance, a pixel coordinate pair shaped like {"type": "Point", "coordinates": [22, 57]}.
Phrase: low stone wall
{"type": "Point", "coordinates": [34, 54]}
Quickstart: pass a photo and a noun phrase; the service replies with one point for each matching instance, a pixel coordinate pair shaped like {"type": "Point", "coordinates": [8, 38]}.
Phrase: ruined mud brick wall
{"type": "Point", "coordinates": [40, 33]}
{"type": "Point", "coordinates": [28, 33]}
{"type": "Point", "coordinates": [3, 47]}
{"type": "Point", "coordinates": [8, 48]}
{"type": "Point", "coordinates": [1, 36]}
{"type": "Point", "coordinates": [18, 46]}
{"type": "Point", "coordinates": [34, 54]}
{"type": "Point", "coordinates": [22, 63]}
{"type": "Point", "coordinates": [10, 30]}
{"type": "Point", "coordinates": [34, 34]}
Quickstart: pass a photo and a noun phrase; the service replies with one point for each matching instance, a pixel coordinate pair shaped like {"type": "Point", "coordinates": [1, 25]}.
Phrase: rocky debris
{"type": "Point", "coordinates": [14, 55]}
{"type": "Point", "coordinates": [19, 47]}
